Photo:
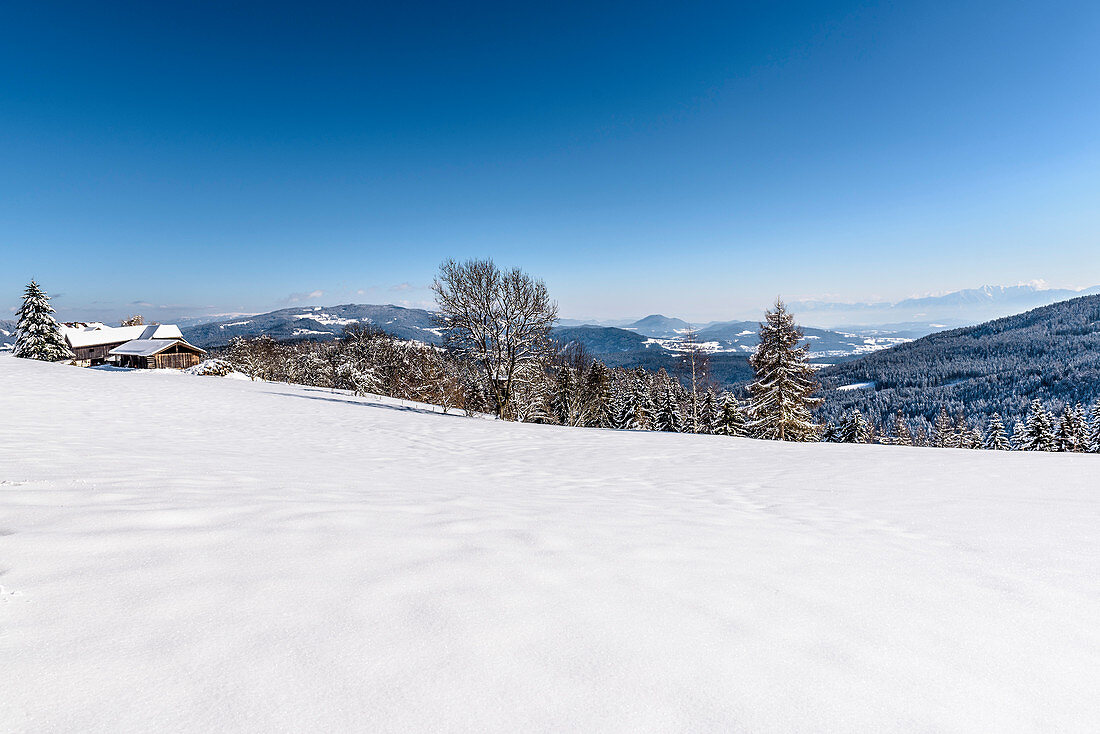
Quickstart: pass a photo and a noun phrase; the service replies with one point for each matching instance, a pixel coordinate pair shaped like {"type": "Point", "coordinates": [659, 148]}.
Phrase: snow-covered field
{"type": "Point", "coordinates": [183, 553]}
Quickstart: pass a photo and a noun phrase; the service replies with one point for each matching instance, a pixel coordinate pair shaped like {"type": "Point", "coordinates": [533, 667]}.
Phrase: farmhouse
{"type": "Point", "coordinates": [148, 347]}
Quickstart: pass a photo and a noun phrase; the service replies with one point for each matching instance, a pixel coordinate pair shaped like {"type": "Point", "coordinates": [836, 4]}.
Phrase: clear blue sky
{"type": "Point", "coordinates": [689, 158]}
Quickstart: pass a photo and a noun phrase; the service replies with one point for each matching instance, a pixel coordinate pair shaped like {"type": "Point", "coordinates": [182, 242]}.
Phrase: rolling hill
{"type": "Point", "coordinates": [317, 322]}
{"type": "Point", "coordinates": [1051, 353]}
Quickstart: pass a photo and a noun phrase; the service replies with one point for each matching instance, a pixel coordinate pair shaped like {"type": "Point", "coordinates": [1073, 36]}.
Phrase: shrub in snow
{"type": "Point", "coordinates": [211, 367]}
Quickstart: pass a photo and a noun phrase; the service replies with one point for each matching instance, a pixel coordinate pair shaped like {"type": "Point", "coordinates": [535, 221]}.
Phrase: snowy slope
{"type": "Point", "coordinates": [181, 553]}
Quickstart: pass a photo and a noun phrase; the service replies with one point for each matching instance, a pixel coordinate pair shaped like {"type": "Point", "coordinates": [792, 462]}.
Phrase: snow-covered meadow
{"type": "Point", "coordinates": [183, 553]}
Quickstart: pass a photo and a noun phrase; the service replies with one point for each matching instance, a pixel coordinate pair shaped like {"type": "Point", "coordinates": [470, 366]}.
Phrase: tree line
{"type": "Point", "coordinates": [498, 358]}
{"type": "Point", "coordinates": [1076, 430]}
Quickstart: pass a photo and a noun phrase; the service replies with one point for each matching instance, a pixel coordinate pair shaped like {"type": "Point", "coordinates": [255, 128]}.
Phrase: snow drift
{"type": "Point", "coordinates": [192, 553]}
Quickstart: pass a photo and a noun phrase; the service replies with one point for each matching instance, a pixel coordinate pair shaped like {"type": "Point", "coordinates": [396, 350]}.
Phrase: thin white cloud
{"type": "Point", "coordinates": [299, 297]}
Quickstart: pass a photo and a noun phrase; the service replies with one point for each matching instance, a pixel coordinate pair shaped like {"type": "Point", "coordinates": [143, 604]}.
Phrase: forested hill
{"type": "Point", "coordinates": [1051, 353]}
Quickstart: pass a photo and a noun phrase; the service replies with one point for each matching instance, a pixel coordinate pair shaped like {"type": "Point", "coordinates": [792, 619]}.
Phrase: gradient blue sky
{"type": "Point", "coordinates": [694, 159]}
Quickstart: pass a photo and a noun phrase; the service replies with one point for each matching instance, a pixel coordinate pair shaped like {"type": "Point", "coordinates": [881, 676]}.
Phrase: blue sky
{"type": "Point", "coordinates": [695, 159]}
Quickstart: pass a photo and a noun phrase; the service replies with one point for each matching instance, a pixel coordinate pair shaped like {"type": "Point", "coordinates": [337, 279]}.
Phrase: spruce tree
{"type": "Point", "coordinates": [902, 435]}
{"type": "Point", "coordinates": [996, 439]}
{"type": "Point", "coordinates": [943, 431]}
{"type": "Point", "coordinates": [965, 436]}
{"type": "Point", "coordinates": [1019, 435]}
{"type": "Point", "coordinates": [566, 407]}
{"type": "Point", "coordinates": [854, 429]}
{"type": "Point", "coordinates": [1072, 430]}
{"type": "Point", "coordinates": [1038, 432]}
{"type": "Point", "coordinates": [782, 392]}
{"type": "Point", "coordinates": [37, 334]}
{"type": "Point", "coordinates": [622, 410]}
{"type": "Point", "coordinates": [597, 408]}
{"type": "Point", "coordinates": [668, 416]}
{"type": "Point", "coordinates": [708, 413]}
{"type": "Point", "coordinates": [731, 419]}
{"type": "Point", "coordinates": [644, 408]}
{"type": "Point", "coordinates": [1094, 429]}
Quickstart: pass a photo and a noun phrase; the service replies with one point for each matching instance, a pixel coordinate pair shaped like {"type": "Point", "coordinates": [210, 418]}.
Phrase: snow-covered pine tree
{"type": "Point", "coordinates": [597, 396]}
{"type": "Point", "coordinates": [965, 437]}
{"type": "Point", "coordinates": [974, 440]}
{"type": "Point", "coordinates": [943, 431]}
{"type": "Point", "coordinates": [1072, 430]}
{"type": "Point", "coordinates": [1038, 432]}
{"type": "Point", "coordinates": [622, 409]}
{"type": "Point", "coordinates": [731, 419]}
{"type": "Point", "coordinates": [996, 439]}
{"type": "Point", "coordinates": [708, 412]}
{"type": "Point", "coordinates": [854, 429]}
{"type": "Point", "coordinates": [668, 418]}
{"type": "Point", "coordinates": [1019, 435]}
{"type": "Point", "coordinates": [902, 435]}
{"type": "Point", "coordinates": [566, 407]}
{"type": "Point", "coordinates": [644, 408]}
{"type": "Point", "coordinates": [37, 333]}
{"type": "Point", "coordinates": [782, 401]}
{"type": "Point", "coordinates": [1094, 429]}
{"type": "Point", "coordinates": [831, 432]}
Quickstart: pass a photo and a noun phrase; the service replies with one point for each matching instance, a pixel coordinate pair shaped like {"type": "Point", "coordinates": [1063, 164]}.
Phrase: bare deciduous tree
{"type": "Point", "coordinates": [499, 319]}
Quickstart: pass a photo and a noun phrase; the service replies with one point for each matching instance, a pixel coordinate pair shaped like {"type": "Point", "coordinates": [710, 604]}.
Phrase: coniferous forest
{"type": "Point", "coordinates": [1050, 354]}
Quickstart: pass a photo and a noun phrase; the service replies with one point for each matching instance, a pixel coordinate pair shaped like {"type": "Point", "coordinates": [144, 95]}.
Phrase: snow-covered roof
{"type": "Point", "coordinates": [149, 347]}
{"type": "Point", "coordinates": [92, 336]}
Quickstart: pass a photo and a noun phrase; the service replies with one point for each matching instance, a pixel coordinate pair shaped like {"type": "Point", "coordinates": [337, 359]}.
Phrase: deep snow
{"type": "Point", "coordinates": [183, 553]}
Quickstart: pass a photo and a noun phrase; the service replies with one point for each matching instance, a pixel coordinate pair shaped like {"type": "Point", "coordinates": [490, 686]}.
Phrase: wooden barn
{"type": "Point", "coordinates": [92, 342]}
{"type": "Point", "coordinates": [158, 354]}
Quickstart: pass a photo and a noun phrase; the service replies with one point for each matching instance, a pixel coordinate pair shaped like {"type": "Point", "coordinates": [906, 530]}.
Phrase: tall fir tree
{"type": "Point", "coordinates": [731, 419]}
{"type": "Point", "coordinates": [37, 334]}
{"type": "Point", "coordinates": [622, 410]}
{"type": "Point", "coordinates": [708, 412]}
{"type": "Point", "coordinates": [668, 418]}
{"type": "Point", "coordinates": [902, 435]}
{"type": "Point", "coordinates": [597, 398]}
{"type": "Point", "coordinates": [854, 429]}
{"type": "Point", "coordinates": [943, 431]}
{"type": "Point", "coordinates": [1094, 429]}
{"type": "Point", "coordinates": [1038, 434]}
{"type": "Point", "coordinates": [965, 436]}
{"type": "Point", "coordinates": [567, 405]}
{"type": "Point", "coordinates": [1019, 435]}
{"type": "Point", "coordinates": [782, 393]}
{"type": "Point", "coordinates": [996, 439]}
{"type": "Point", "coordinates": [645, 410]}
{"type": "Point", "coordinates": [1072, 431]}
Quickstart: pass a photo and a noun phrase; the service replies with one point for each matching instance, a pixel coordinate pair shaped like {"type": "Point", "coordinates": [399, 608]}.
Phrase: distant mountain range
{"type": "Point", "coordinates": [933, 313]}
{"type": "Point", "coordinates": [653, 342]}
{"type": "Point", "coordinates": [1051, 353]}
{"type": "Point", "coordinates": [317, 322]}
{"type": "Point", "coordinates": [7, 334]}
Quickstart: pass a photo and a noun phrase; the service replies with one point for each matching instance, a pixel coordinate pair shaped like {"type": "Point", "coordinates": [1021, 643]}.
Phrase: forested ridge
{"type": "Point", "coordinates": [1051, 354]}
